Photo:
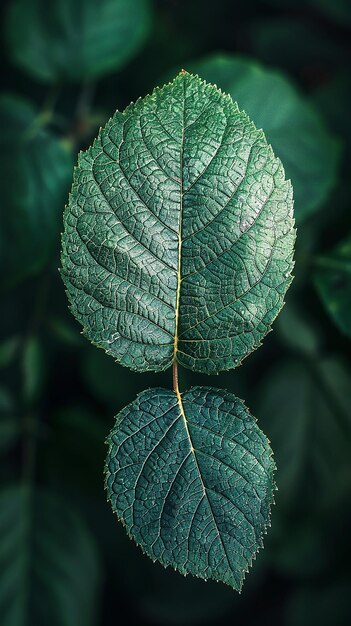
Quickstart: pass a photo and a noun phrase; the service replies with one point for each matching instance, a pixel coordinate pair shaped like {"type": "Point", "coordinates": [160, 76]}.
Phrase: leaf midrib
{"type": "Point", "coordinates": [179, 268]}
{"type": "Point", "coordinates": [205, 494]}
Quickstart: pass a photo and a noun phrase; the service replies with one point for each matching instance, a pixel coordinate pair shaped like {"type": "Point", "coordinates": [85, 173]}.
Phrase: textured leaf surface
{"type": "Point", "coordinates": [76, 39]}
{"type": "Point", "coordinates": [35, 173]}
{"type": "Point", "coordinates": [291, 124]}
{"type": "Point", "coordinates": [179, 232]}
{"type": "Point", "coordinates": [191, 478]}
{"type": "Point", "coordinates": [49, 570]}
{"type": "Point", "coordinates": [333, 282]}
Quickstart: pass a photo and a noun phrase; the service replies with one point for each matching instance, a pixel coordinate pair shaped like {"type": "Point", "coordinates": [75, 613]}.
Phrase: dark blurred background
{"type": "Point", "coordinates": [66, 66]}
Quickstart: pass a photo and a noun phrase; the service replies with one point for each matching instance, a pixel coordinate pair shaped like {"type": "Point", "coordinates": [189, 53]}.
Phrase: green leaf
{"type": "Point", "coordinates": [333, 283]}
{"type": "Point", "coordinates": [313, 440]}
{"type": "Point", "coordinates": [49, 571]}
{"type": "Point", "coordinates": [179, 232]}
{"type": "Point", "coordinates": [35, 173]}
{"type": "Point", "coordinates": [191, 478]}
{"type": "Point", "coordinates": [75, 40]}
{"type": "Point", "coordinates": [291, 124]}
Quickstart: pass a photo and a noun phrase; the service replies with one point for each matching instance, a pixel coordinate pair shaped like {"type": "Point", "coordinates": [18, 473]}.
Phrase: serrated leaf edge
{"type": "Point", "coordinates": [132, 107]}
{"type": "Point", "coordinates": [271, 500]}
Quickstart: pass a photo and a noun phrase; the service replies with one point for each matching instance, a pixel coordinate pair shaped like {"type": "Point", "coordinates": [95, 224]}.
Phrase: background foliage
{"type": "Point", "coordinates": [66, 66]}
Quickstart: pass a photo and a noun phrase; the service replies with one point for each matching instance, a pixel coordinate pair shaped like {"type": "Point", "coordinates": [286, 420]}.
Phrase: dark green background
{"type": "Point", "coordinates": [64, 559]}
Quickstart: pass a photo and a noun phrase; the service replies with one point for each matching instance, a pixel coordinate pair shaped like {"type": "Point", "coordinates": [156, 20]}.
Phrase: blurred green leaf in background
{"type": "Point", "coordinates": [36, 168]}
{"type": "Point", "coordinates": [333, 282]}
{"type": "Point", "coordinates": [50, 565]}
{"type": "Point", "coordinates": [66, 66]}
{"type": "Point", "coordinates": [75, 40]}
